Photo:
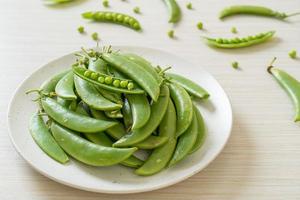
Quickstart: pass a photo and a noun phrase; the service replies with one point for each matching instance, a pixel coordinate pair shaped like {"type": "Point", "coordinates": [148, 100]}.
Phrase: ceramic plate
{"type": "Point", "coordinates": [118, 179]}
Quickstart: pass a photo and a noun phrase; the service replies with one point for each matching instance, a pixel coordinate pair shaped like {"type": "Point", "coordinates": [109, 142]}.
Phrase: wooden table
{"type": "Point", "coordinates": [262, 157]}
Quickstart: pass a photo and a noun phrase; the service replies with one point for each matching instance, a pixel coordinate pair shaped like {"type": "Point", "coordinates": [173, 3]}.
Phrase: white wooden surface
{"type": "Point", "coordinates": [262, 158]}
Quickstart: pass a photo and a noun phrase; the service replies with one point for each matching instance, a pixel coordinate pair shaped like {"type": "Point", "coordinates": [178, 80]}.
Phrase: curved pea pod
{"type": "Point", "coordinates": [184, 107]}
{"type": "Point", "coordinates": [185, 142]}
{"type": "Point", "coordinates": [118, 131]}
{"type": "Point", "coordinates": [99, 80]}
{"type": "Point", "coordinates": [127, 115]}
{"type": "Point", "coordinates": [201, 131]}
{"type": "Point", "coordinates": [73, 120]}
{"type": "Point", "coordinates": [90, 95]}
{"type": "Point", "coordinates": [135, 72]}
{"type": "Point", "coordinates": [87, 152]}
{"type": "Point", "coordinates": [158, 110]}
{"type": "Point", "coordinates": [50, 84]}
{"type": "Point", "coordinates": [145, 64]}
{"type": "Point", "coordinates": [98, 65]}
{"type": "Point", "coordinates": [112, 96]}
{"type": "Point", "coordinates": [240, 42]}
{"type": "Point", "coordinates": [160, 156]}
{"type": "Point", "coordinates": [63, 102]}
{"type": "Point", "coordinates": [65, 87]}
{"type": "Point", "coordinates": [290, 85]}
{"type": "Point", "coordinates": [140, 109]}
{"type": "Point", "coordinates": [41, 135]}
{"type": "Point", "coordinates": [174, 10]}
{"type": "Point", "coordinates": [114, 114]}
{"type": "Point", "coordinates": [190, 86]}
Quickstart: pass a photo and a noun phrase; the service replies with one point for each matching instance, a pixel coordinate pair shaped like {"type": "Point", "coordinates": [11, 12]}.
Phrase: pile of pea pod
{"type": "Point", "coordinates": [110, 105]}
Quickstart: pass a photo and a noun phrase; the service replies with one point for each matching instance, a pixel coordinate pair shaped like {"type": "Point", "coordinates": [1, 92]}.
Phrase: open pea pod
{"type": "Point", "coordinates": [107, 82]}
{"type": "Point", "coordinates": [88, 152]}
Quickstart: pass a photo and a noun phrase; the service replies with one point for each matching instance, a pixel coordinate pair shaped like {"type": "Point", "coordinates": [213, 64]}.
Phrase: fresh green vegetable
{"type": "Point", "coordinates": [171, 33]}
{"type": "Point", "coordinates": [65, 87]}
{"type": "Point", "coordinates": [293, 54]}
{"type": "Point", "coordinates": [189, 6]}
{"type": "Point", "coordinates": [105, 3]}
{"type": "Point", "coordinates": [136, 10]}
{"type": "Point", "coordinates": [80, 29]}
{"type": "Point", "coordinates": [200, 25]}
{"type": "Point", "coordinates": [233, 30]}
{"type": "Point", "coordinates": [95, 36]}
{"type": "Point", "coordinates": [235, 65]}
{"type": "Point", "coordinates": [174, 11]}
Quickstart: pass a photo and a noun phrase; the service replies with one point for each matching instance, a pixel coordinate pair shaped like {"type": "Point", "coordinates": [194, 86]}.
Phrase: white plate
{"type": "Point", "coordinates": [117, 179]}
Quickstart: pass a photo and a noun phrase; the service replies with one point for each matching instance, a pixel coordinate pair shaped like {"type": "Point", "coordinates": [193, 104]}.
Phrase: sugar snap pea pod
{"type": "Point", "coordinates": [239, 42]}
{"type": "Point", "coordinates": [185, 142]}
{"type": "Point", "coordinates": [50, 84]}
{"type": "Point", "coordinates": [118, 131]}
{"type": "Point", "coordinates": [88, 152]}
{"type": "Point", "coordinates": [112, 96]}
{"type": "Point", "coordinates": [135, 72]}
{"type": "Point", "coordinates": [41, 135]}
{"type": "Point", "coordinates": [253, 10]}
{"type": "Point", "coordinates": [113, 17]}
{"type": "Point", "coordinates": [63, 102]}
{"type": "Point", "coordinates": [98, 65]}
{"type": "Point", "coordinates": [114, 114]}
{"type": "Point", "coordinates": [174, 10]}
{"type": "Point", "coordinates": [158, 110]}
{"type": "Point", "coordinates": [65, 87]}
{"type": "Point", "coordinates": [201, 131]}
{"type": "Point", "coordinates": [184, 107]}
{"type": "Point", "coordinates": [160, 156]}
{"type": "Point", "coordinates": [190, 86]}
{"type": "Point", "coordinates": [145, 64]}
{"type": "Point", "coordinates": [73, 120]}
{"type": "Point", "coordinates": [127, 115]}
{"type": "Point", "coordinates": [90, 95]}
{"type": "Point", "coordinates": [107, 82]}
{"type": "Point", "coordinates": [290, 85]}
{"type": "Point", "coordinates": [140, 109]}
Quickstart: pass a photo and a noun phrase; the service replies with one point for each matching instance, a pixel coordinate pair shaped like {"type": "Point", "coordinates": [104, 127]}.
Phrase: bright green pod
{"type": "Point", "coordinates": [185, 142]}
{"type": "Point", "coordinates": [88, 152]}
{"type": "Point", "coordinates": [160, 156]}
{"type": "Point", "coordinates": [63, 102]}
{"type": "Point", "coordinates": [112, 96]}
{"type": "Point", "coordinates": [98, 65]}
{"type": "Point", "coordinates": [140, 110]}
{"type": "Point", "coordinates": [65, 87]}
{"type": "Point", "coordinates": [127, 115]}
{"type": "Point", "coordinates": [184, 107]}
{"type": "Point", "coordinates": [174, 11]}
{"type": "Point", "coordinates": [50, 84]}
{"type": "Point", "coordinates": [73, 120]}
{"type": "Point", "coordinates": [190, 86]}
{"type": "Point", "coordinates": [41, 135]}
{"type": "Point", "coordinates": [158, 110]}
{"type": "Point", "coordinates": [90, 95]}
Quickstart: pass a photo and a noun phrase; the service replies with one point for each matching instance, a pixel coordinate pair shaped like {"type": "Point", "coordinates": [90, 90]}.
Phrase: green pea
{"type": "Point", "coordinates": [171, 33]}
{"type": "Point", "coordinates": [136, 26]}
{"type": "Point", "coordinates": [250, 37]}
{"type": "Point", "coordinates": [94, 75]}
{"type": "Point", "coordinates": [293, 54]}
{"type": "Point", "coordinates": [101, 79]}
{"type": "Point", "coordinates": [131, 21]}
{"type": "Point", "coordinates": [235, 65]}
{"type": "Point", "coordinates": [237, 40]}
{"type": "Point", "coordinates": [116, 83]}
{"type": "Point", "coordinates": [126, 19]}
{"type": "Point", "coordinates": [200, 25]}
{"type": "Point", "coordinates": [108, 16]}
{"type": "Point", "coordinates": [123, 84]}
{"type": "Point", "coordinates": [87, 73]}
{"type": "Point", "coordinates": [219, 40]}
{"type": "Point", "coordinates": [120, 18]}
{"type": "Point", "coordinates": [105, 3]}
{"type": "Point", "coordinates": [189, 6]}
{"type": "Point", "coordinates": [108, 80]}
{"type": "Point", "coordinates": [99, 15]}
{"type": "Point", "coordinates": [244, 40]}
{"type": "Point", "coordinates": [130, 86]}
{"type": "Point", "coordinates": [136, 10]}
{"type": "Point", "coordinates": [80, 29]}
{"type": "Point", "coordinates": [114, 16]}
{"type": "Point", "coordinates": [95, 36]}
{"type": "Point", "coordinates": [225, 41]}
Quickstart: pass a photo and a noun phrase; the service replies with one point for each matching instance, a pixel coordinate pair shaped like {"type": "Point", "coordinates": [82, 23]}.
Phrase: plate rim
{"type": "Point", "coordinates": [105, 191]}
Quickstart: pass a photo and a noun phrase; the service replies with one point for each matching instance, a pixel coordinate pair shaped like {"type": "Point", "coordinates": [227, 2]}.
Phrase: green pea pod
{"type": "Point", "coordinates": [87, 152]}
{"type": "Point", "coordinates": [174, 10]}
{"type": "Point", "coordinates": [160, 156]}
{"type": "Point", "coordinates": [118, 131]}
{"type": "Point", "coordinates": [184, 107]}
{"type": "Point", "coordinates": [114, 114]}
{"type": "Point", "coordinates": [190, 86]}
{"type": "Point", "coordinates": [50, 84]}
{"type": "Point", "coordinates": [140, 109]}
{"type": "Point", "coordinates": [145, 64]}
{"type": "Point", "coordinates": [201, 131]}
{"type": "Point", "coordinates": [73, 120]}
{"type": "Point", "coordinates": [41, 135]}
{"type": "Point", "coordinates": [290, 85]}
{"type": "Point", "coordinates": [89, 94]}
{"type": "Point", "coordinates": [135, 72]}
{"type": "Point", "coordinates": [185, 142]}
{"type": "Point", "coordinates": [158, 110]}
{"type": "Point", "coordinates": [127, 115]}
{"type": "Point", "coordinates": [65, 87]}
{"type": "Point", "coordinates": [112, 96]}
{"type": "Point", "coordinates": [63, 102]}
{"type": "Point", "coordinates": [73, 105]}
{"type": "Point", "coordinates": [98, 65]}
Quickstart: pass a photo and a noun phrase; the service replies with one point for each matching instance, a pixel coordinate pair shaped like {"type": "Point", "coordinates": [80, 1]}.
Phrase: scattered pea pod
{"type": "Point", "coordinates": [113, 17]}
{"type": "Point", "coordinates": [65, 87]}
{"type": "Point", "coordinates": [240, 42]}
{"type": "Point", "coordinates": [174, 10]}
{"type": "Point", "coordinates": [184, 107]}
{"type": "Point", "coordinates": [290, 85]}
{"type": "Point", "coordinates": [107, 82]}
{"type": "Point", "coordinates": [41, 135]}
{"type": "Point", "coordinates": [136, 73]}
{"type": "Point", "coordinates": [87, 152]}
{"type": "Point", "coordinates": [253, 10]}
{"type": "Point", "coordinates": [73, 120]}
{"type": "Point", "coordinates": [160, 156]}
{"type": "Point", "coordinates": [90, 95]}
{"type": "Point", "coordinates": [190, 86]}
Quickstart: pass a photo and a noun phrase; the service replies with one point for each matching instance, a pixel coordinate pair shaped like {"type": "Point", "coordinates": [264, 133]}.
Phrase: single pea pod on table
{"type": "Point", "coordinates": [174, 10]}
{"type": "Point", "coordinates": [234, 43]}
{"type": "Point", "coordinates": [113, 17]}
